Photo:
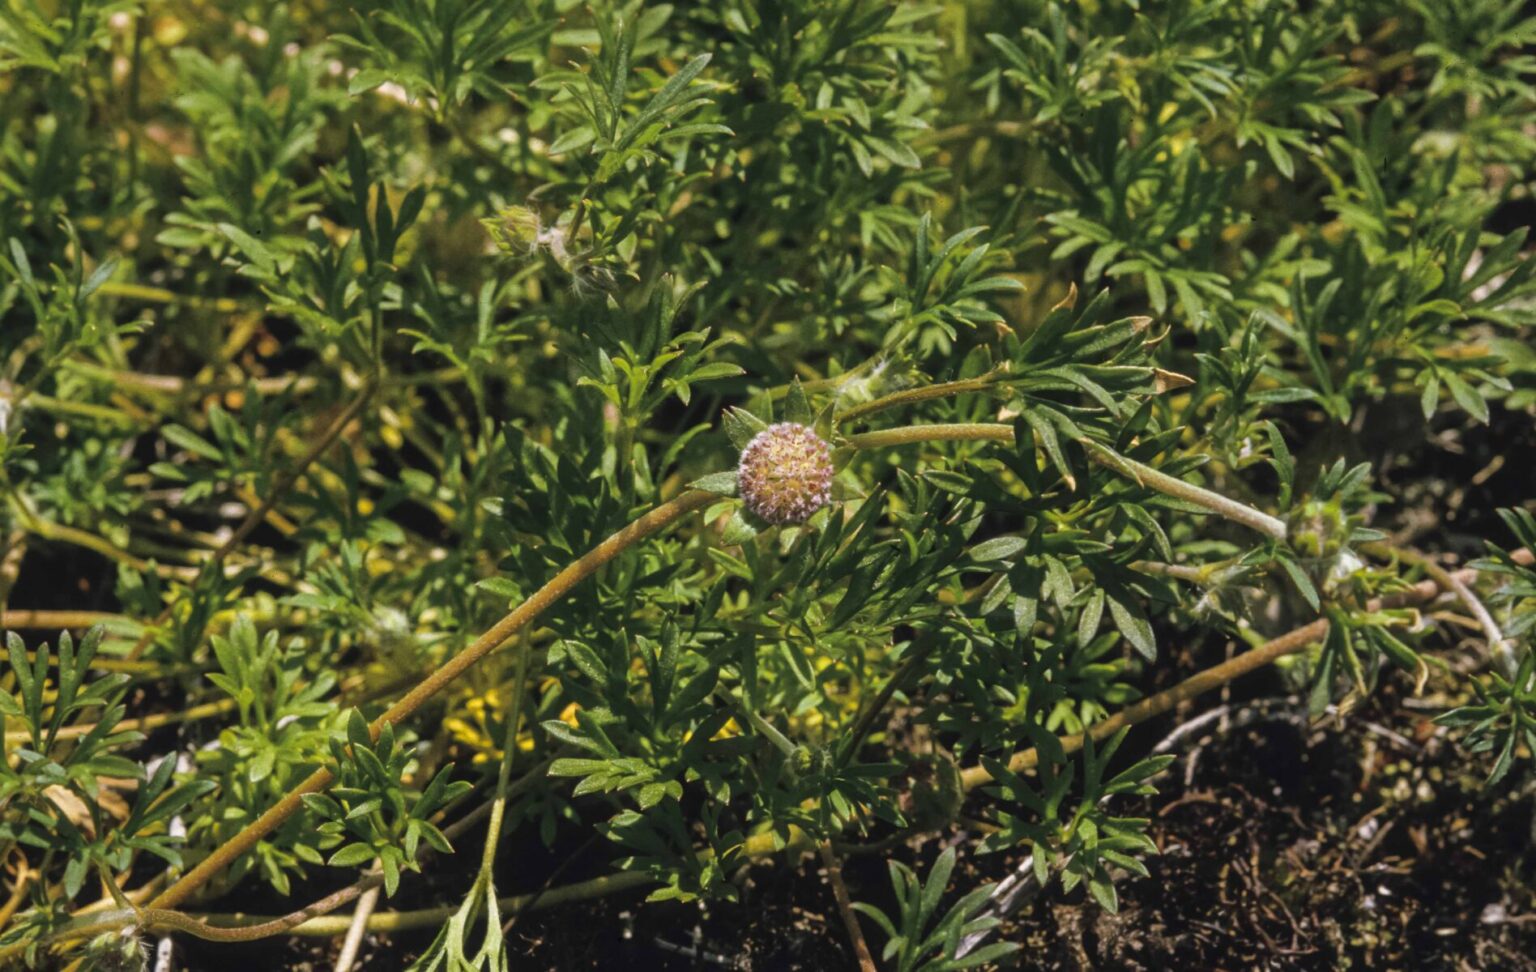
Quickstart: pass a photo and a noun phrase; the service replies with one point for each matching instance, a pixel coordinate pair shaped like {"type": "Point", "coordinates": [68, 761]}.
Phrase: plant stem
{"type": "Point", "coordinates": [159, 295]}
{"type": "Point", "coordinates": [652, 522]}
{"type": "Point", "coordinates": [911, 434]}
{"type": "Point", "coordinates": [1503, 652]}
{"type": "Point", "coordinates": [485, 882]}
{"type": "Point", "coordinates": [1214, 677]}
{"type": "Point", "coordinates": [67, 534]}
{"type": "Point", "coordinates": [1143, 474]}
{"type": "Point", "coordinates": [24, 878]}
{"type": "Point", "coordinates": [845, 906]}
{"type": "Point", "coordinates": [368, 901]}
{"type": "Point", "coordinates": [228, 927]}
{"type": "Point", "coordinates": [205, 711]}
{"type": "Point", "coordinates": [911, 396]}
{"type": "Point", "coordinates": [26, 620]}
{"type": "Point", "coordinates": [1162, 482]}
{"type": "Point", "coordinates": [245, 928]}
{"type": "Point", "coordinates": [1197, 684]}
{"type": "Point", "coordinates": [577, 571]}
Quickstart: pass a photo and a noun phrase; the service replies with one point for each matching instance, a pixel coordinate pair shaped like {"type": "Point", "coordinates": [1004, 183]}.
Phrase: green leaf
{"type": "Point", "coordinates": [1134, 624]}
{"type": "Point", "coordinates": [258, 252]}
{"type": "Point", "coordinates": [351, 855]}
{"type": "Point", "coordinates": [568, 766]}
{"type": "Point", "coordinates": [742, 426]}
{"type": "Point", "coordinates": [998, 548]}
{"type": "Point", "coordinates": [1103, 891]}
{"type": "Point", "coordinates": [721, 483]}
{"type": "Point", "coordinates": [572, 140]}
{"type": "Point", "coordinates": [797, 408]}
{"type": "Point", "coordinates": [1467, 397]}
{"type": "Point", "coordinates": [1302, 582]}
{"type": "Point", "coordinates": [897, 153]}
{"type": "Point", "coordinates": [178, 435]}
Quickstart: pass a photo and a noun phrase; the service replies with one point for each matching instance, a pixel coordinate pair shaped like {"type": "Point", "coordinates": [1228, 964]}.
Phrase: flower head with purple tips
{"type": "Point", "coordinates": [785, 473]}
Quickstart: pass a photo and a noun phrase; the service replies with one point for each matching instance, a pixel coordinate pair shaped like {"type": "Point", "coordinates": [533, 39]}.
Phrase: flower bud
{"type": "Point", "coordinates": [785, 473]}
{"type": "Point", "coordinates": [803, 759]}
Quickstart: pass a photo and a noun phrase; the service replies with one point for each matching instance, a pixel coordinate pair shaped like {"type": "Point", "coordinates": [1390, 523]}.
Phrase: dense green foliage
{"type": "Point", "coordinates": [334, 330]}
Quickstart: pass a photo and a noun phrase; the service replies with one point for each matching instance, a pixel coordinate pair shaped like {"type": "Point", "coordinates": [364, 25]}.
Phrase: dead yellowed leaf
{"type": "Point", "coordinates": [74, 808]}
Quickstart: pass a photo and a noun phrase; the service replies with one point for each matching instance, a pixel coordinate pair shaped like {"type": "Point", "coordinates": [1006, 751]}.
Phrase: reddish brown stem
{"type": "Point", "coordinates": [845, 906]}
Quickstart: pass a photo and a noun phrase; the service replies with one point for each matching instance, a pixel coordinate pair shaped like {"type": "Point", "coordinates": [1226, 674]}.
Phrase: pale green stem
{"type": "Point", "coordinates": [1145, 475]}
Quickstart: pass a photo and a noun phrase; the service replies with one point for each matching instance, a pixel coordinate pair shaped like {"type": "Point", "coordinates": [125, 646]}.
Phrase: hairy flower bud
{"type": "Point", "coordinates": [785, 473]}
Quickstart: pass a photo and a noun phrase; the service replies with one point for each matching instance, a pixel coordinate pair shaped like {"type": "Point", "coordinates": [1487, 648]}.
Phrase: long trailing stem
{"type": "Point", "coordinates": [1211, 678]}
{"type": "Point", "coordinates": [1162, 482]}
{"type": "Point", "coordinates": [62, 533]}
{"type": "Point", "coordinates": [1197, 684]}
{"type": "Point", "coordinates": [24, 620]}
{"type": "Point", "coordinates": [1145, 475]}
{"type": "Point", "coordinates": [205, 711]}
{"type": "Point", "coordinates": [160, 914]}
{"type": "Point", "coordinates": [304, 921]}
{"type": "Point", "coordinates": [244, 928]}
{"type": "Point", "coordinates": [238, 928]}
{"type": "Point", "coordinates": [579, 570]}
{"type": "Point", "coordinates": [159, 295]}
{"type": "Point", "coordinates": [914, 434]}
{"type": "Point", "coordinates": [923, 393]}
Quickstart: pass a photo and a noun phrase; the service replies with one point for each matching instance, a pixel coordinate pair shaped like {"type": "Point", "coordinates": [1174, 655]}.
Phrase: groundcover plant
{"type": "Point", "coordinates": [699, 442]}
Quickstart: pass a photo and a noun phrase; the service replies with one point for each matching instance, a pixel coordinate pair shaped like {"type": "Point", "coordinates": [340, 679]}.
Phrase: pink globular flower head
{"type": "Point", "coordinates": [785, 473]}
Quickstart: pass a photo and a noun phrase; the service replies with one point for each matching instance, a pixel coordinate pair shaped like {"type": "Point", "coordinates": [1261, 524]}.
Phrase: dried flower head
{"type": "Point", "coordinates": [785, 473]}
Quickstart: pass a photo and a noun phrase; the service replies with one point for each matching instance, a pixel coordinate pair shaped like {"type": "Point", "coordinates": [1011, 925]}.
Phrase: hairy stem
{"type": "Point", "coordinates": [845, 906]}
{"type": "Point", "coordinates": [1197, 684]}
{"type": "Point", "coordinates": [1143, 474]}
{"type": "Point", "coordinates": [911, 396]}
{"type": "Point", "coordinates": [1178, 488]}
{"type": "Point", "coordinates": [579, 570]}
{"type": "Point", "coordinates": [25, 620]}
{"type": "Point", "coordinates": [1503, 652]}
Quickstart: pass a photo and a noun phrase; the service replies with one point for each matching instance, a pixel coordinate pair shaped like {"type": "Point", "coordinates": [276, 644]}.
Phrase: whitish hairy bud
{"type": "Point", "coordinates": [785, 473]}
{"type": "Point", "coordinates": [117, 951]}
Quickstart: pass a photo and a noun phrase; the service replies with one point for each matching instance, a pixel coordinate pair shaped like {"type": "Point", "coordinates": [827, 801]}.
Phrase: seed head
{"type": "Point", "coordinates": [785, 473]}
